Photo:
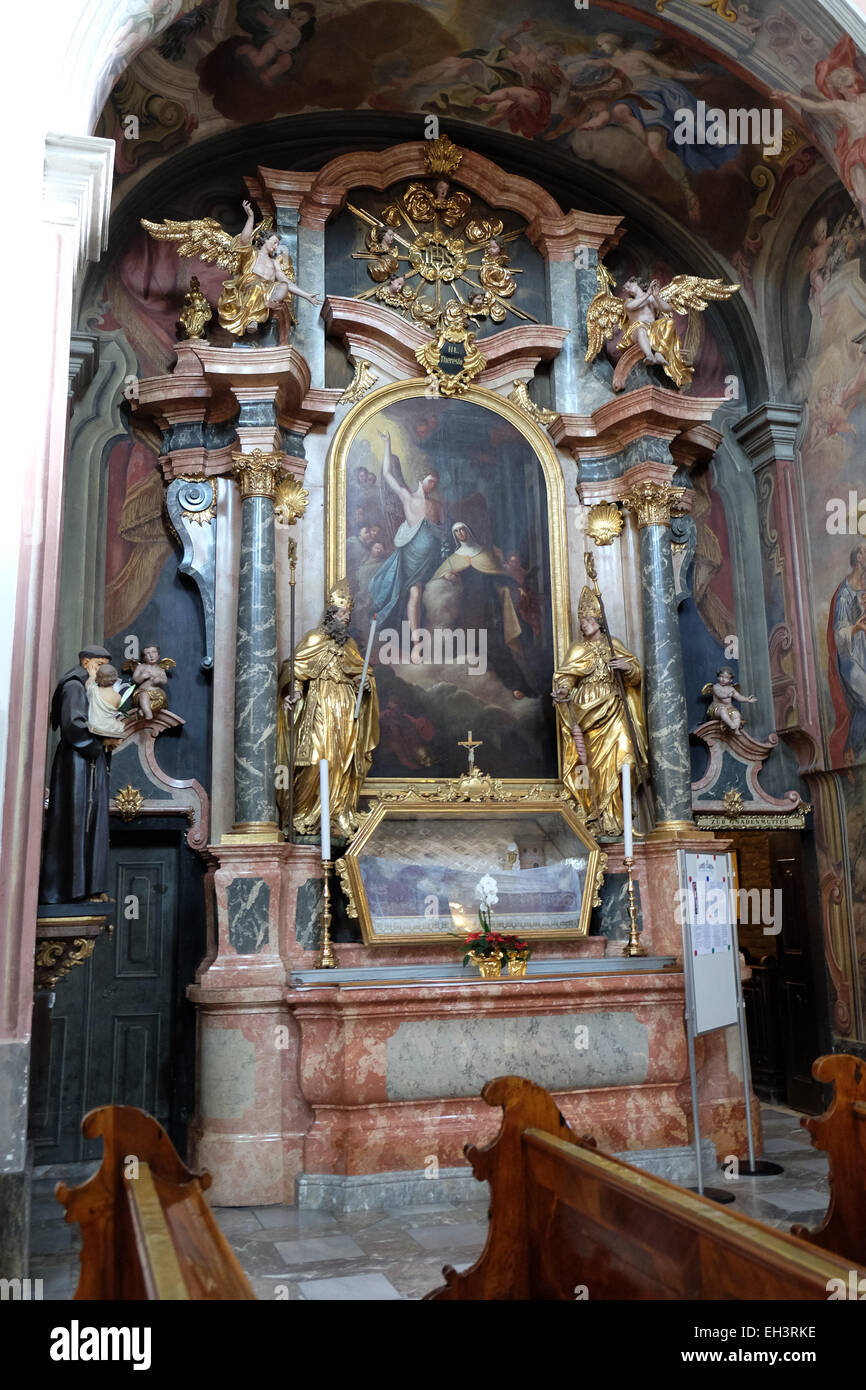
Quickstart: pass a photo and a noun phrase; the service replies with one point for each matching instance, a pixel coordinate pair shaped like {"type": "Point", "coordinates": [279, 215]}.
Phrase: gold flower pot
{"type": "Point", "coordinates": [489, 966]}
{"type": "Point", "coordinates": [517, 963]}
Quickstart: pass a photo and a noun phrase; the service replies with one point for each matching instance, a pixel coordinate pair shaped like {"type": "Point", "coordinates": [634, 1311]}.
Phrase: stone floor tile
{"type": "Point", "coordinates": [274, 1287]}
{"type": "Point", "coordinates": [396, 1245]}
{"type": "Point", "coordinates": [237, 1221]}
{"type": "Point", "coordinates": [355, 1287]}
{"type": "Point", "coordinates": [451, 1237]}
{"type": "Point", "coordinates": [283, 1217]}
{"type": "Point", "coordinates": [316, 1248]}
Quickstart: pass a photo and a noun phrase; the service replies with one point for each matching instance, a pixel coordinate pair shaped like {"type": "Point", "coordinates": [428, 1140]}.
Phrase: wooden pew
{"type": "Point", "coordinates": [568, 1222]}
{"type": "Point", "coordinates": [841, 1132]}
{"type": "Point", "coordinates": [147, 1230]}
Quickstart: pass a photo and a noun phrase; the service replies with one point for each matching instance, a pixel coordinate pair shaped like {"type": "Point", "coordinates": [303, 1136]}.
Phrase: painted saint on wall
{"type": "Point", "coordinates": [846, 668]}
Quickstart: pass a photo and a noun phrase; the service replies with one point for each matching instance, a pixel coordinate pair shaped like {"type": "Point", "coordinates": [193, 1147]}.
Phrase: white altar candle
{"type": "Point", "coordinates": [324, 796]}
{"type": "Point", "coordinates": [366, 664]}
{"type": "Point", "coordinates": [628, 847]}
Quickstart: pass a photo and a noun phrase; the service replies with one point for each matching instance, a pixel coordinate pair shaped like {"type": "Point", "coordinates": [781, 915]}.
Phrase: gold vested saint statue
{"type": "Point", "coordinates": [328, 669]}
{"type": "Point", "coordinates": [592, 723]}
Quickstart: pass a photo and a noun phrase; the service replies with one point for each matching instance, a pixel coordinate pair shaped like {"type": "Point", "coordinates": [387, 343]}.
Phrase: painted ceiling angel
{"type": "Point", "coordinates": [261, 269]}
{"type": "Point", "coordinates": [645, 315]}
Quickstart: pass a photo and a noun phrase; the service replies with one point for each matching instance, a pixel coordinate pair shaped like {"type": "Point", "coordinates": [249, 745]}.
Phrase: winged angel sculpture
{"type": "Point", "coordinates": [645, 315]}
{"type": "Point", "coordinates": [262, 273]}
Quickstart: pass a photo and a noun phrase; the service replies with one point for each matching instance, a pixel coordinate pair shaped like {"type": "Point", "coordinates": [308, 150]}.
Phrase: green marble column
{"type": "Point", "coordinates": [664, 685]}
{"type": "Point", "coordinates": [255, 752]}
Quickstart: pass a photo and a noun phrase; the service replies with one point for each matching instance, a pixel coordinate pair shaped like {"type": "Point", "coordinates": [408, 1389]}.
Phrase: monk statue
{"type": "Point", "coordinates": [328, 670]}
{"type": "Point", "coordinates": [75, 845]}
{"type": "Point", "coordinates": [593, 727]}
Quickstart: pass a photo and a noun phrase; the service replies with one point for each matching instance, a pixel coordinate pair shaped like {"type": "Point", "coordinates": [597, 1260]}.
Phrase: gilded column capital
{"type": "Point", "coordinates": [257, 473]}
{"type": "Point", "coordinates": [652, 503]}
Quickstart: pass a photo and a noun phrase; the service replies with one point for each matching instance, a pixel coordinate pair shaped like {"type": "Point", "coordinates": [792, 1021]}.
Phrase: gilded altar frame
{"type": "Point", "coordinates": [545, 453]}
{"type": "Point", "coordinates": [488, 799]}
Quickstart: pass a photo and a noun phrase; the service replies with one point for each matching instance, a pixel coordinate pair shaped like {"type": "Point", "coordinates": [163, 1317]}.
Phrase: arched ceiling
{"type": "Point", "coordinates": [204, 66]}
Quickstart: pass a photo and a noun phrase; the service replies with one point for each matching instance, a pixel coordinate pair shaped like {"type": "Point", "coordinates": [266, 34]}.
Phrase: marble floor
{"type": "Point", "coordinates": [398, 1253]}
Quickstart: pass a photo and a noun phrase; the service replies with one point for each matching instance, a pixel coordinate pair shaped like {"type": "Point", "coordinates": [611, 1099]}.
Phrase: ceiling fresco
{"type": "Point", "coordinates": [600, 84]}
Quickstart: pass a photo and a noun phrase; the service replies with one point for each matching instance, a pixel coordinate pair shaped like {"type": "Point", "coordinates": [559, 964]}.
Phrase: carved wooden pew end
{"type": "Point", "coordinates": [568, 1222]}
{"type": "Point", "coordinates": [147, 1230]}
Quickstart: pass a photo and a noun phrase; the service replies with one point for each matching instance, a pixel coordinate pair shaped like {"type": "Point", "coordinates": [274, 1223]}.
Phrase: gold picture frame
{"type": "Point", "coordinates": [480, 854]}
{"type": "Point", "coordinates": [545, 453]}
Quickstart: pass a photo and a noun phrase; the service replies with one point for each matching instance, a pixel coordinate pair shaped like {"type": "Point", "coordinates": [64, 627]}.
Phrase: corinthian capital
{"type": "Point", "coordinates": [652, 503]}
{"type": "Point", "coordinates": [257, 473]}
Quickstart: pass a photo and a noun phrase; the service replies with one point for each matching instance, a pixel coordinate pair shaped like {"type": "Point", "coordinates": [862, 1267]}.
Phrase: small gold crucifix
{"type": "Point", "coordinates": [470, 744]}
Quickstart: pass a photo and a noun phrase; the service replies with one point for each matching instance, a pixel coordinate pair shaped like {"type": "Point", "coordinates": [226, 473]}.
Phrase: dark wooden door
{"type": "Point", "coordinates": [802, 993]}
{"type": "Point", "coordinates": [109, 1037]}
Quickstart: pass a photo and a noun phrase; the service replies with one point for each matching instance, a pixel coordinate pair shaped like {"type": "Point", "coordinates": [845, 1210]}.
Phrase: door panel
{"type": "Point", "coordinates": [802, 1003]}
{"type": "Point", "coordinates": [108, 1038]}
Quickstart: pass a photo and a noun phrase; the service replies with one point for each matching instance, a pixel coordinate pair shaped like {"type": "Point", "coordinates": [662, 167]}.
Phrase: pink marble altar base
{"type": "Point", "coordinates": [294, 1079]}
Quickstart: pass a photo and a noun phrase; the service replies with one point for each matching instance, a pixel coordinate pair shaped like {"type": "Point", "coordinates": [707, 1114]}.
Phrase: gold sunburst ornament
{"type": "Point", "coordinates": [430, 234]}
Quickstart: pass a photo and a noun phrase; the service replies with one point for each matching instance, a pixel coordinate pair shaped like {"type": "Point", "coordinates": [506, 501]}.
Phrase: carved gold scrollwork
{"type": "Point", "coordinates": [719, 7]}
{"type": "Point", "coordinates": [363, 381]}
{"type": "Point", "coordinates": [441, 156]}
{"type": "Point", "coordinates": [55, 958]}
{"type": "Point", "coordinates": [519, 396]}
{"type": "Point", "coordinates": [346, 882]}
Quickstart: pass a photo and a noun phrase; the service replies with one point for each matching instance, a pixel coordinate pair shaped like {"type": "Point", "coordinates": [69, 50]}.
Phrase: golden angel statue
{"type": "Point", "coordinates": [646, 316]}
{"type": "Point", "coordinates": [724, 691]}
{"type": "Point", "coordinates": [262, 274]}
{"type": "Point", "coordinates": [593, 726]}
{"type": "Point", "coordinates": [328, 670]}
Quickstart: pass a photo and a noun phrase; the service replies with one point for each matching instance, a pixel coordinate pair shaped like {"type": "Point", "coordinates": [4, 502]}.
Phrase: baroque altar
{"type": "Point", "coordinates": [432, 420]}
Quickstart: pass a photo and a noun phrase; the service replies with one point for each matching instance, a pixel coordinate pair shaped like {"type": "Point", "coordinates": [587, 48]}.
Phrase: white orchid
{"type": "Point", "coordinates": [486, 890]}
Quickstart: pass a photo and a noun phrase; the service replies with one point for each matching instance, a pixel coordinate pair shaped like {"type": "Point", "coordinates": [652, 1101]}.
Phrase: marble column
{"type": "Point", "coordinates": [310, 333]}
{"type": "Point", "coordinates": [667, 716]}
{"type": "Point", "coordinates": [255, 752]}
{"type": "Point", "coordinates": [579, 387]}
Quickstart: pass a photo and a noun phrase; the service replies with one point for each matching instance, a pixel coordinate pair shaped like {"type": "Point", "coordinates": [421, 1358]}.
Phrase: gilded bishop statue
{"type": "Point", "coordinates": [594, 729]}
{"type": "Point", "coordinates": [327, 675]}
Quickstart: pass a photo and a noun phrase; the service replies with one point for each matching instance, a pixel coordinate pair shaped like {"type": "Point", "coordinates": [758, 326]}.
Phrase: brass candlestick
{"type": "Point", "coordinates": [328, 960]}
{"type": "Point", "coordinates": [632, 946]}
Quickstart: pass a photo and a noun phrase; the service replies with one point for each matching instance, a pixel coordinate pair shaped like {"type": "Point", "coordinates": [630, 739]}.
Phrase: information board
{"type": "Point", "coordinates": [710, 958]}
